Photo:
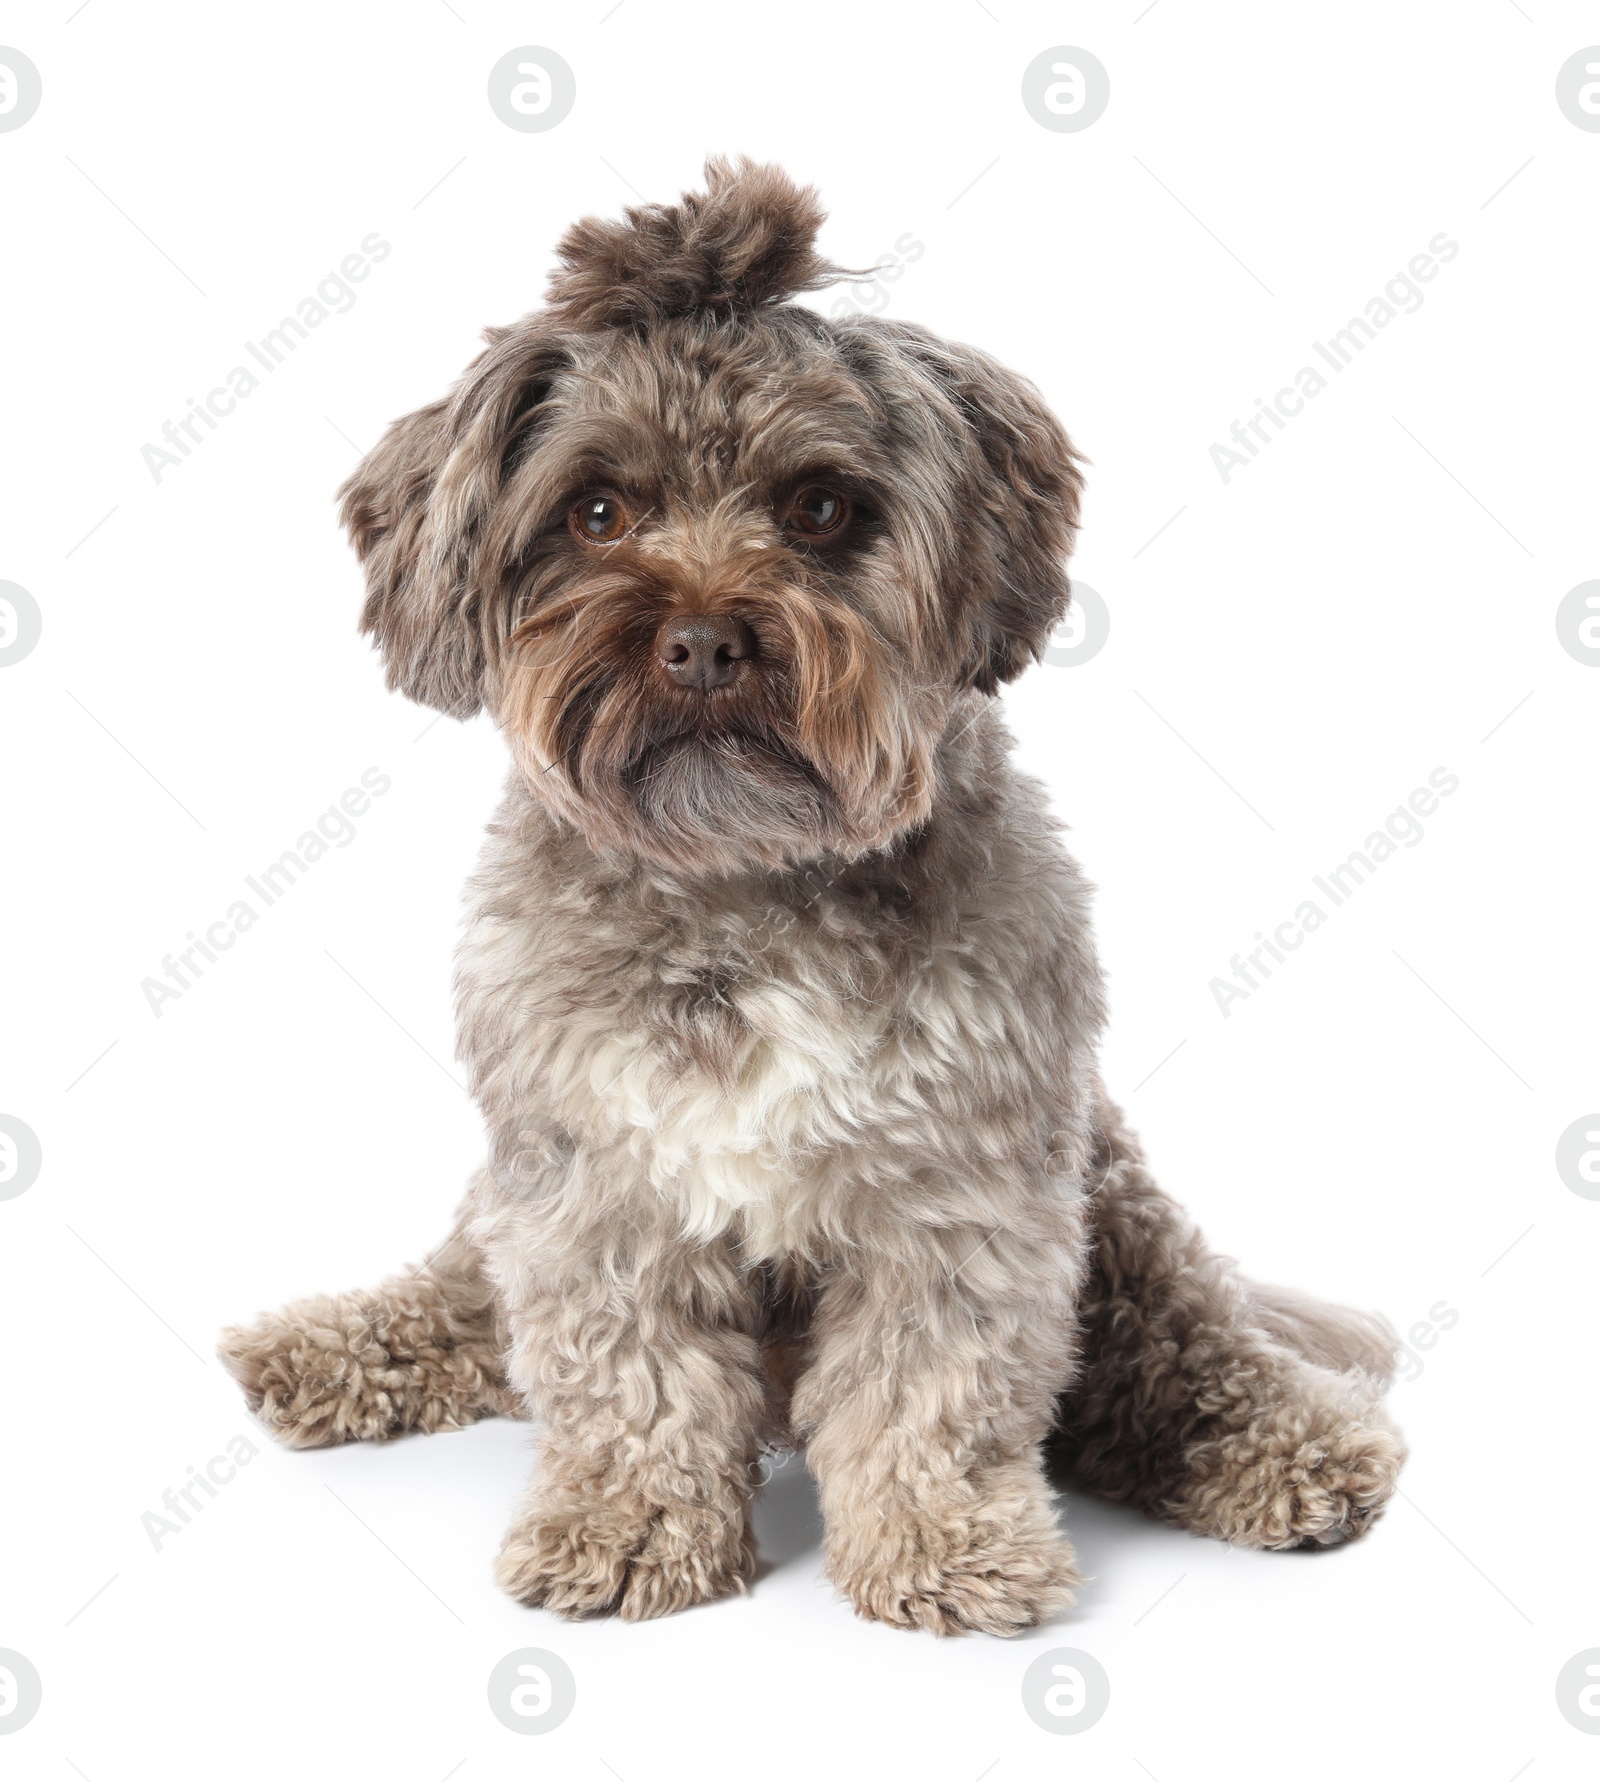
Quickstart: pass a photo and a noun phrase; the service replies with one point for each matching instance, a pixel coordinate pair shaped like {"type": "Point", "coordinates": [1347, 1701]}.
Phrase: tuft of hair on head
{"type": "Point", "coordinates": [746, 241]}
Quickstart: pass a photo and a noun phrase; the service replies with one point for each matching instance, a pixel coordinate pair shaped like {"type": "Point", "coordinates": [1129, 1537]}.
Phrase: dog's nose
{"type": "Point", "coordinates": [703, 650]}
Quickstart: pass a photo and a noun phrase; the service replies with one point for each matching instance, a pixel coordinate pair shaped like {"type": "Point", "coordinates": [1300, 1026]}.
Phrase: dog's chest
{"type": "Point", "coordinates": [752, 1065]}
{"type": "Point", "coordinates": [731, 1087]}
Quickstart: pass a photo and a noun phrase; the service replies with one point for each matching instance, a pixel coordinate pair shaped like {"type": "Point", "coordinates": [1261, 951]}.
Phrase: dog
{"type": "Point", "coordinates": [777, 989]}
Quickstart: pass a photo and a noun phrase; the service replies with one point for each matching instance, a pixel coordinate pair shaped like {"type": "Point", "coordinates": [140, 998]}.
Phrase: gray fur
{"type": "Point", "coordinates": [781, 1002]}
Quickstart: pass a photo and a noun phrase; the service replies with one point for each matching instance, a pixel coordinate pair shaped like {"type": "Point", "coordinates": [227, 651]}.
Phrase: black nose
{"type": "Point", "coordinates": [703, 650]}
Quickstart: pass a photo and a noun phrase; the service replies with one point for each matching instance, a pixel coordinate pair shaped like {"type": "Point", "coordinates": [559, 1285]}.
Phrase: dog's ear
{"type": "Point", "coordinates": [416, 509]}
{"type": "Point", "coordinates": [1013, 487]}
{"type": "Point", "coordinates": [1027, 520]}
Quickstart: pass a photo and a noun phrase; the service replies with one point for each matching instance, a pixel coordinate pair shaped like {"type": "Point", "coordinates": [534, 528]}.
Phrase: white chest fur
{"type": "Point", "coordinates": [735, 1146]}
{"type": "Point", "coordinates": [738, 1080]}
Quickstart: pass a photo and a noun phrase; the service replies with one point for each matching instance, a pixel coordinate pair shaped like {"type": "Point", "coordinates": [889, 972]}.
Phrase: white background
{"type": "Point", "coordinates": [1289, 658]}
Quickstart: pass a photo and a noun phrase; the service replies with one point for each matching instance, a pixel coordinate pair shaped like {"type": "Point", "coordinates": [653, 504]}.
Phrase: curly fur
{"type": "Point", "coordinates": [747, 240]}
{"type": "Point", "coordinates": [422, 1351]}
{"type": "Point", "coordinates": [780, 1001]}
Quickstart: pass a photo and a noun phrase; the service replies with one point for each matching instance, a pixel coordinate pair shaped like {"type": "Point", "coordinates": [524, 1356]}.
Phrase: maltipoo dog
{"type": "Point", "coordinates": [777, 989]}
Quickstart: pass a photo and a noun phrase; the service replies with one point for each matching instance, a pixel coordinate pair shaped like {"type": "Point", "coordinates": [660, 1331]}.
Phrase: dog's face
{"type": "Point", "coordinates": [718, 566]}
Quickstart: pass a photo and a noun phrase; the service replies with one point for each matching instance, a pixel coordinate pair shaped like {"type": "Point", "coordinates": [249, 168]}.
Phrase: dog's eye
{"type": "Point", "coordinates": [598, 519]}
{"type": "Point", "coordinates": [818, 511]}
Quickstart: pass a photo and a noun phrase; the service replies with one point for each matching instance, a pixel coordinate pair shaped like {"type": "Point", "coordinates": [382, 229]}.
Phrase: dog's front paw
{"type": "Point", "coordinates": [1300, 1474]}
{"type": "Point", "coordinates": [625, 1558]}
{"type": "Point", "coordinates": [994, 1586]}
{"type": "Point", "coordinates": [999, 1567]}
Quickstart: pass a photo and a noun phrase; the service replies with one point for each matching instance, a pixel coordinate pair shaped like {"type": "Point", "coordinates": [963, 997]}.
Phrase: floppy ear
{"type": "Point", "coordinates": [1014, 486]}
{"type": "Point", "coordinates": [1030, 513]}
{"type": "Point", "coordinates": [416, 509]}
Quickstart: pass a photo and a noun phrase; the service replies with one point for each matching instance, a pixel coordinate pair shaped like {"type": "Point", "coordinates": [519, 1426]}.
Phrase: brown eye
{"type": "Point", "coordinates": [818, 511]}
{"type": "Point", "coordinates": [598, 519]}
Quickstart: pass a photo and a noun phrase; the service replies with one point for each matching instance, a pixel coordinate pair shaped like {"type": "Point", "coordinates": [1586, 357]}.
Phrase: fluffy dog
{"type": "Point", "coordinates": [777, 989]}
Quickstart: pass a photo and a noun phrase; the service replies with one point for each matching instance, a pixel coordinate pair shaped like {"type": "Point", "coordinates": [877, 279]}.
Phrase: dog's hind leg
{"type": "Point", "coordinates": [1252, 1414]}
{"type": "Point", "coordinates": [422, 1351]}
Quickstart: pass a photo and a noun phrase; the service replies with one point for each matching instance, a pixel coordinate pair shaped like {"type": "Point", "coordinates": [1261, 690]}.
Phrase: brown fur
{"type": "Point", "coordinates": [780, 1000]}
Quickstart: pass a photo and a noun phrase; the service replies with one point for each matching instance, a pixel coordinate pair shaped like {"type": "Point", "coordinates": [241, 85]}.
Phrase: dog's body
{"type": "Point", "coordinates": [777, 989]}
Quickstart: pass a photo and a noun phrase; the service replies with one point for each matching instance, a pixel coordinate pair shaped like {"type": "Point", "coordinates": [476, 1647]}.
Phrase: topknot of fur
{"type": "Point", "coordinates": [744, 242]}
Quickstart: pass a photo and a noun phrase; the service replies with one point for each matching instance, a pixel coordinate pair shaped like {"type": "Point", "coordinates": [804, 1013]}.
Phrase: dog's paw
{"type": "Point", "coordinates": [627, 1559]}
{"type": "Point", "coordinates": [995, 1586]}
{"type": "Point", "coordinates": [365, 1367]}
{"type": "Point", "coordinates": [1300, 1474]}
{"type": "Point", "coordinates": [988, 1560]}
{"type": "Point", "coordinates": [311, 1383]}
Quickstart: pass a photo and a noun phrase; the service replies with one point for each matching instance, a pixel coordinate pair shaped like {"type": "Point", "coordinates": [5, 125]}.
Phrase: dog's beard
{"type": "Point", "coordinates": [699, 797]}
{"type": "Point", "coordinates": [730, 783]}
{"type": "Point", "coordinates": [812, 751]}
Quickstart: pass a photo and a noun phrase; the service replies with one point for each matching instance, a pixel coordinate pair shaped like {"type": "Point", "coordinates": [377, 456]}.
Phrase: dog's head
{"type": "Point", "coordinates": [719, 566]}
